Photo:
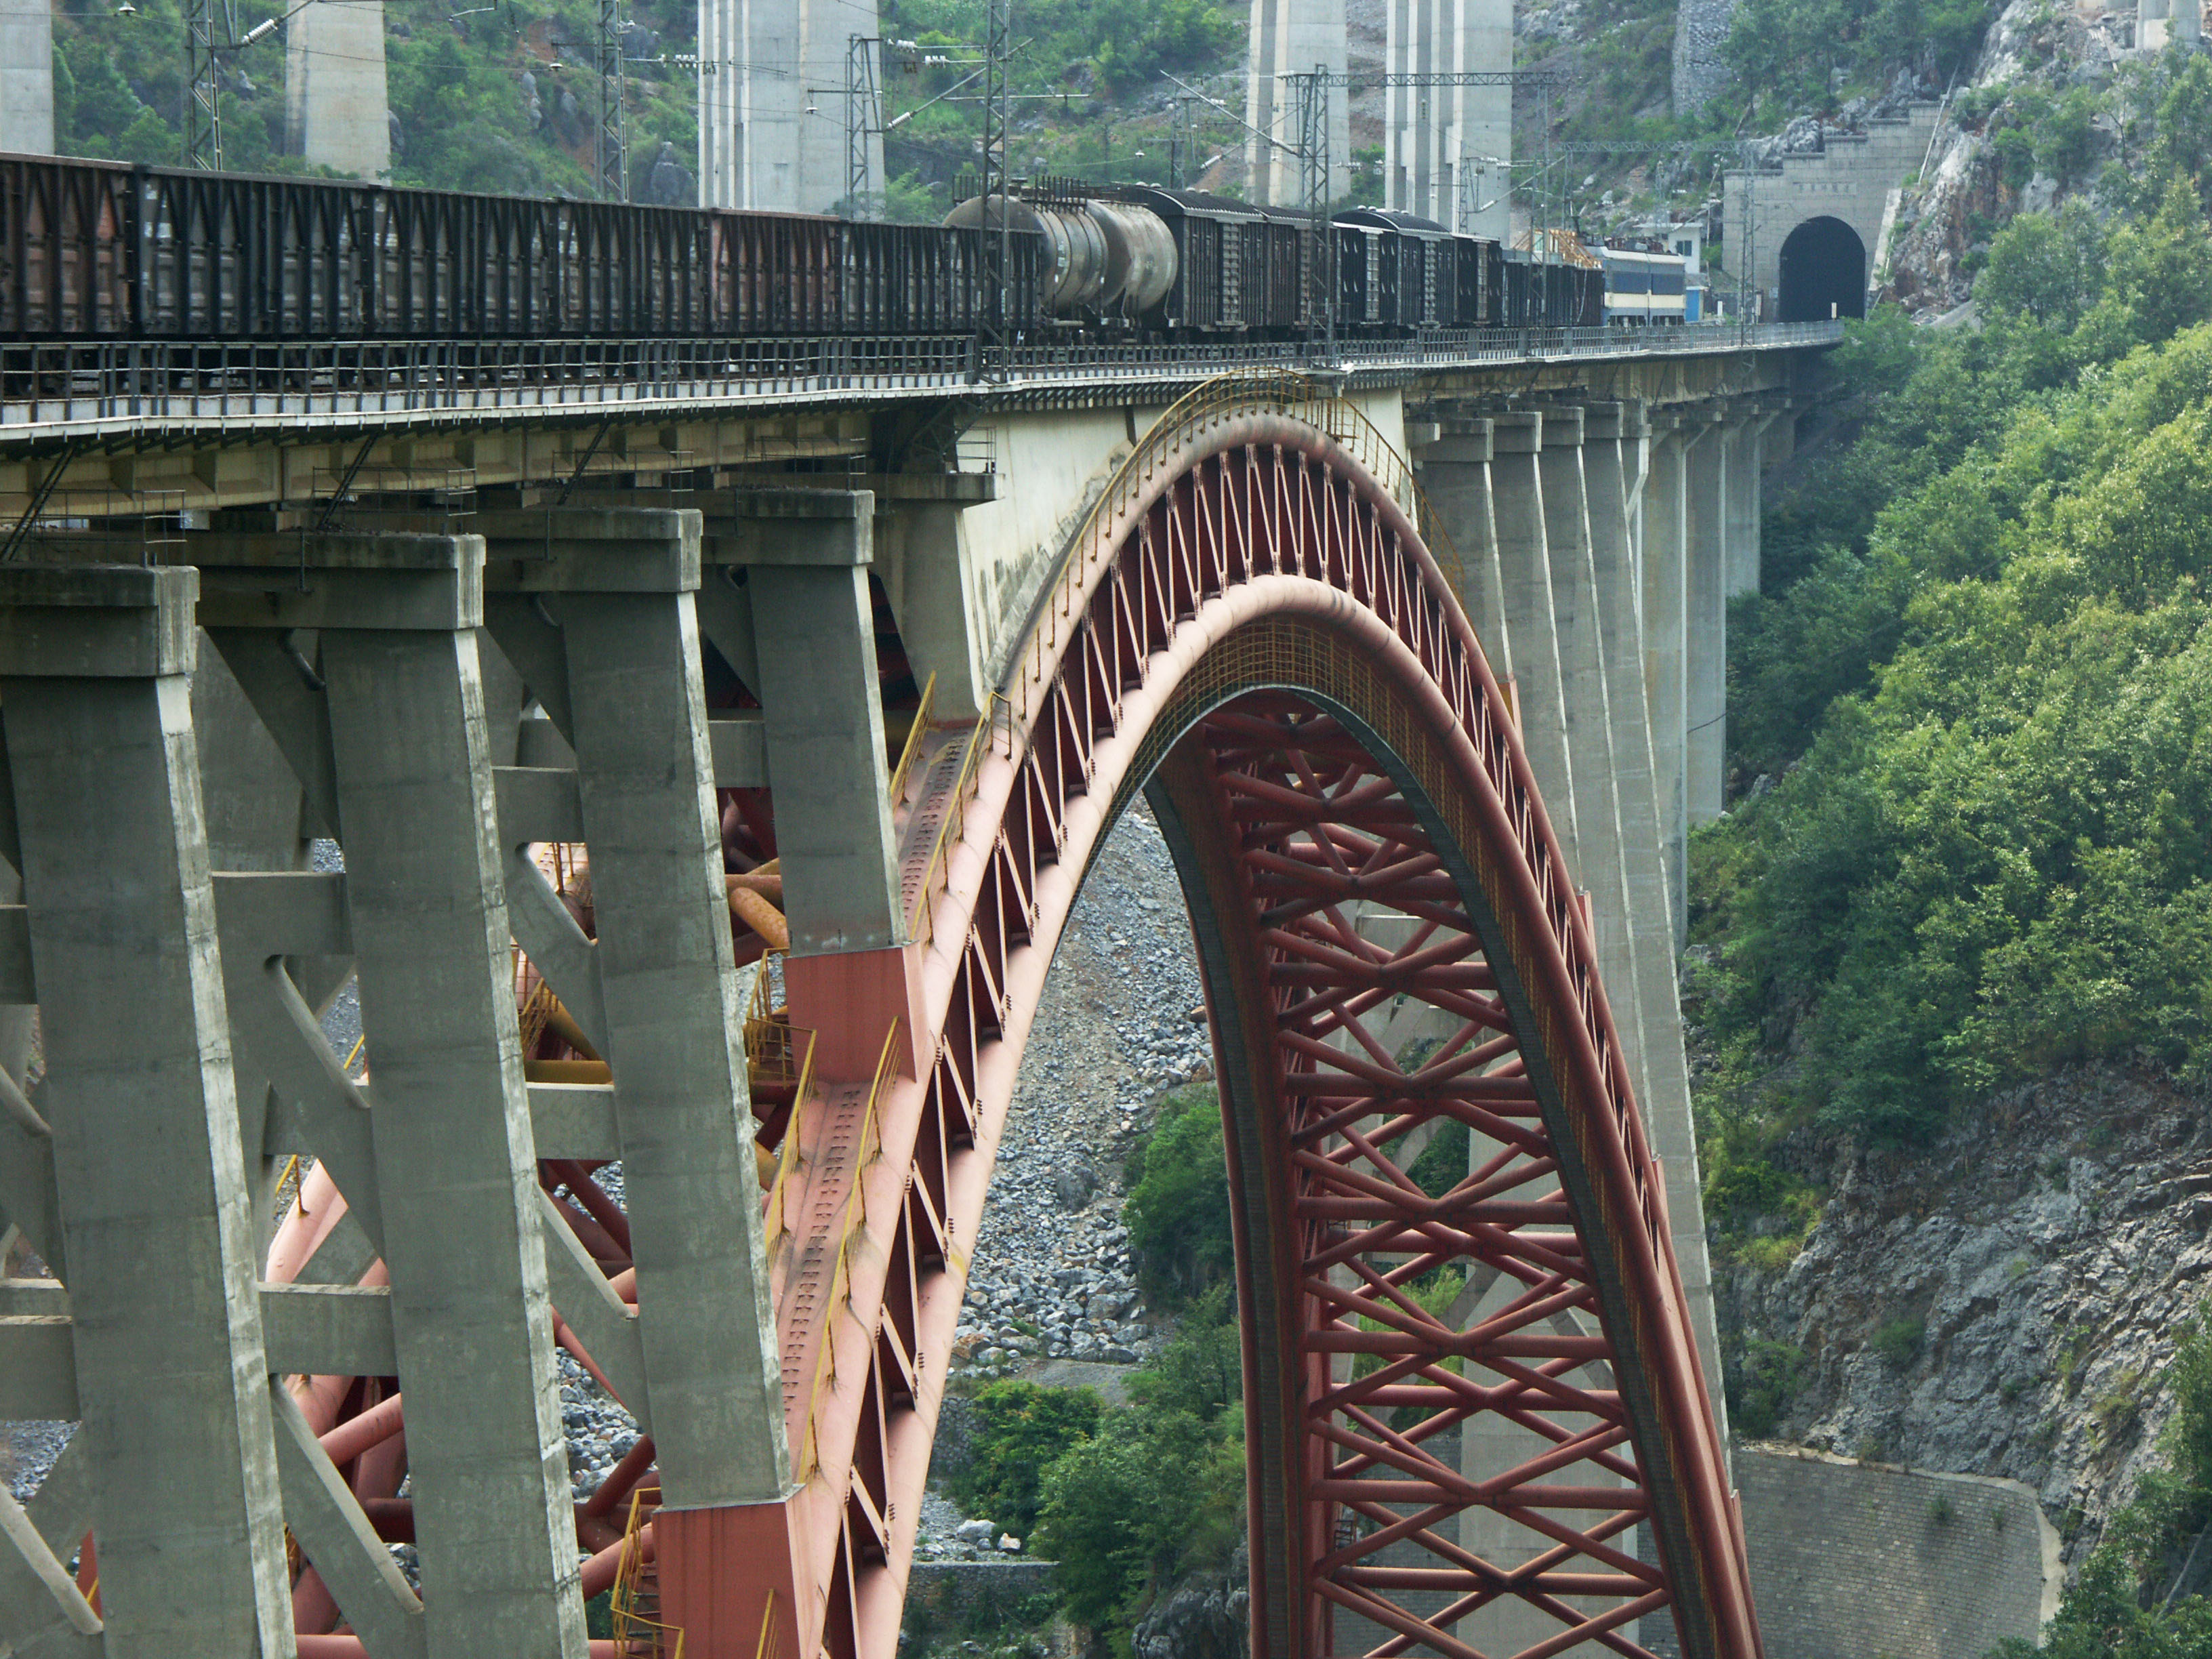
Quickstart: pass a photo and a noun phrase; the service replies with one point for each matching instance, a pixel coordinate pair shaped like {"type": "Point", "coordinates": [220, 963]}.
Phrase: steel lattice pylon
{"type": "Point", "coordinates": [613, 138]}
{"type": "Point", "coordinates": [994, 266]}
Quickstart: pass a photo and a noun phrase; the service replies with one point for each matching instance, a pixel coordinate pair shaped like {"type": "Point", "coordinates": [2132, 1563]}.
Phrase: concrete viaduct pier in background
{"type": "Point", "coordinates": [1447, 147]}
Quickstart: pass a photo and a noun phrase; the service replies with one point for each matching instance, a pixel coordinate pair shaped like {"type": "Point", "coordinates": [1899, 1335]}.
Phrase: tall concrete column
{"type": "Point", "coordinates": [1294, 37]}
{"type": "Point", "coordinates": [1434, 135]}
{"type": "Point", "coordinates": [1665, 590]}
{"type": "Point", "coordinates": [1586, 705]}
{"type": "Point", "coordinates": [1744, 464]}
{"type": "Point", "coordinates": [337, 111]}
{"type": "Point", "coordinates": [95, 667]}
{"type": "Point", "coordinates": [789, 144]}
{"type": "Point", "coordinates": [26, 80]}
{"type": "Point", "coordinates": [814, 635]}
{"type": "Point", "coordinates": [1454, 469]}
{"type": "Point", "coordinates": [826, 30]}
{"type": "Point", "coordinates": [1617, 434]}
{"type": "Point", "coordinates": [934, 575]}
{"type": "Point", "coordinates": [1705, 518]}
{"type": "Point", "coordinates": [457, 1174]}
{"type": "Point", "coordinates": [724, 70]}
{"type": "Point", "coordinates": [623, 581]}
{"type": "Point", "coordinates": [1525, 580]}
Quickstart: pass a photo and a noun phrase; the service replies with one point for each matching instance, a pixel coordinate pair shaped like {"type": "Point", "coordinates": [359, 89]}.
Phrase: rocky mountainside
{"type": "Point", "coordinates": [1972, 186]}
{"type": "Point", "coordinates": [2001, 1303]}
{"type": "Point", "coordinates": [1052, 1293]}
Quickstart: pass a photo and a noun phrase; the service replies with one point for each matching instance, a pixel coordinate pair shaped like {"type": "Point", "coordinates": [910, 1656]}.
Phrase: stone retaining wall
{"type": "Point", "coordinates": [1854, 1560]}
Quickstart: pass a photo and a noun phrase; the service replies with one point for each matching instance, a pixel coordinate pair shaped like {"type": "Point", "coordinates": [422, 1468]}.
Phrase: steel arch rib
{"type": "Point", "coordinates": [1252, 620]}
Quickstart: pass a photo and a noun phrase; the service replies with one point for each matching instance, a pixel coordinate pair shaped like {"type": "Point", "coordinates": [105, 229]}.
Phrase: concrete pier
{"type": "Point", "coordinates": [337, 111]}
{"type": "Point", "coordinates": [1602, 565]}
{"type": "Point", "coordinates": [1663, 584]}
{"type": "Point", "coordinates": [624, 579]}
{"type": "Point", "coordinates": [1293, 37]}
{"type": "Point", "coordinates": [772, 129]}
{"type": "Point", "coordinates": [95, 667]}
{"type": "Point", "coordinates": [1706, 520]}
{"type": "Point", "coordinates": [456, 1182]}
{"type": "Point", "coordinates": [1448, 150]}
{"type": "Point", "coordinates": [26, 80]}
{"type": "Point", "coordinates": [1524, 562]}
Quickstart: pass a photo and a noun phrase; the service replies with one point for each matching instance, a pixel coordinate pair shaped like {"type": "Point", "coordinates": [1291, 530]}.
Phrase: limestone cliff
{"type": "Point", "coordinates": [1968, 190]}
{"type": "Point", "coordinates": [2001, 1304]}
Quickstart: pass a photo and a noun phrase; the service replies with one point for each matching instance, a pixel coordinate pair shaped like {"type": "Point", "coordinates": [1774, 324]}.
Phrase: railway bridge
{"type": "Point", "coordinates": [690, 760]}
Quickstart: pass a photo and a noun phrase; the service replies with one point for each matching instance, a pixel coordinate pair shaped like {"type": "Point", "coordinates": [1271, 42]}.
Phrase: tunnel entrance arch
{"type": "Point", "coordinates": [1824, 265]}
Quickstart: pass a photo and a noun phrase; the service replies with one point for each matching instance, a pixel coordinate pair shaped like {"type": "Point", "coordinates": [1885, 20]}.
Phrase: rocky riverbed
{"type": "Point", "coordinates": [1122, 1022]}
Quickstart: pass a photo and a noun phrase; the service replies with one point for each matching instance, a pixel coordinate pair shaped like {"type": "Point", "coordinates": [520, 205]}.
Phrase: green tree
{"type": "Point", "coordinates": [1019, 1429]}
{"type": "Point", "coordinates": [2045, 267]}
{"type": "Point", "coordinates": [1200, 1374]}
{"type": "Point", "coordinates": [1153, 1494]}
{"type": "Point", "coordinates": [2103, 1614]}
{"type": "Point", "coordinates": [1177, 1210]}
{"type": "Point", "coordinates": [2159, 276]}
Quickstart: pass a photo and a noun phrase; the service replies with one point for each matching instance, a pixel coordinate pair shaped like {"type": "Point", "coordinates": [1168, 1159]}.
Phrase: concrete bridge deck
{"type": "Point", "coordinates": [161, 392]}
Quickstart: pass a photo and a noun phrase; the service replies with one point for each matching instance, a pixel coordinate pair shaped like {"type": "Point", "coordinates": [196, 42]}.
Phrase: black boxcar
{"type": "Point", "coordinates": [1404, 270]}
{"type": "Point", "coordinates": [1217, 245]}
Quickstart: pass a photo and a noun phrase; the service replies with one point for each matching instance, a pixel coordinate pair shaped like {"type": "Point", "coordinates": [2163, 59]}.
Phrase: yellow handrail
{"type": "Point", "coordinates": [628, 1625]}
{"type": "Point", "coordinates": [920, 923]}
{"type": "Point", "coordinates": [786, 1156]}
{"type": "Point", "coordinates": [850, 1224]}
{"type": "Point", "coordinates": [913, 739]}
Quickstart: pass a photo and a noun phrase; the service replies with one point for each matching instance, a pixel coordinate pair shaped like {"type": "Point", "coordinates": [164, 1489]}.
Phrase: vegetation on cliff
{"type": "Point", "coordinates": [1981, 676]}
{"type": "Point", "coordinates": [2123, 1604]}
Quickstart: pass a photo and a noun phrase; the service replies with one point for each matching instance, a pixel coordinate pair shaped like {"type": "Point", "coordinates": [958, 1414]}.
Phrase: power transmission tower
{"type": "Point", "coordinates": [1311, 93]}
{"type": "Point", "coordinates": [864, 117]}
{"type": "Point", "coordinates": [208, 24]}
{"type": "Point", "coordinates": [1183, 164]}
{"type": "Point", "coordinates": [994, 331]}
{"type": "Point", "coordinates": [614, 146]}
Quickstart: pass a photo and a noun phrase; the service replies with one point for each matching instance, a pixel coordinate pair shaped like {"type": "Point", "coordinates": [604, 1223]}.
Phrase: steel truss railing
{"type": "Point", "coordinates": [57, 387]}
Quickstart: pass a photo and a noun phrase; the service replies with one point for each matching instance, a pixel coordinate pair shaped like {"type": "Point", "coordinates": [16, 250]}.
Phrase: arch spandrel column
{"type": "Point", "coordinates": [156, 1229]}
{"type": "Point", "coordinates": [1618, 434]}
{"type": "Point", "coordinates": [1455, 472]}
{"type": "Point", "coordinates": [1705, 525]}
{"type": "Point", "coordinates": [1524, 562]}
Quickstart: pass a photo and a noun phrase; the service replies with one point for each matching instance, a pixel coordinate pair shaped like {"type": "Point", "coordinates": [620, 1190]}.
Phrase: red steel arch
{"type": "Point", "coordinates": [1251, 628]}
{"type": "Point", "coordinates": [1252, 621]}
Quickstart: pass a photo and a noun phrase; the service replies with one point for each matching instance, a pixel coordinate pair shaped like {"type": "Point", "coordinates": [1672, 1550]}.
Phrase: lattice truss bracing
{"type": "Point", "coordinates": [1421, 1317]}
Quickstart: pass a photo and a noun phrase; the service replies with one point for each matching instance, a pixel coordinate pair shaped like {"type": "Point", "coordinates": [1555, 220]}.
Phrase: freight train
{"type": "Point", "coordinates": [104, 251]}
